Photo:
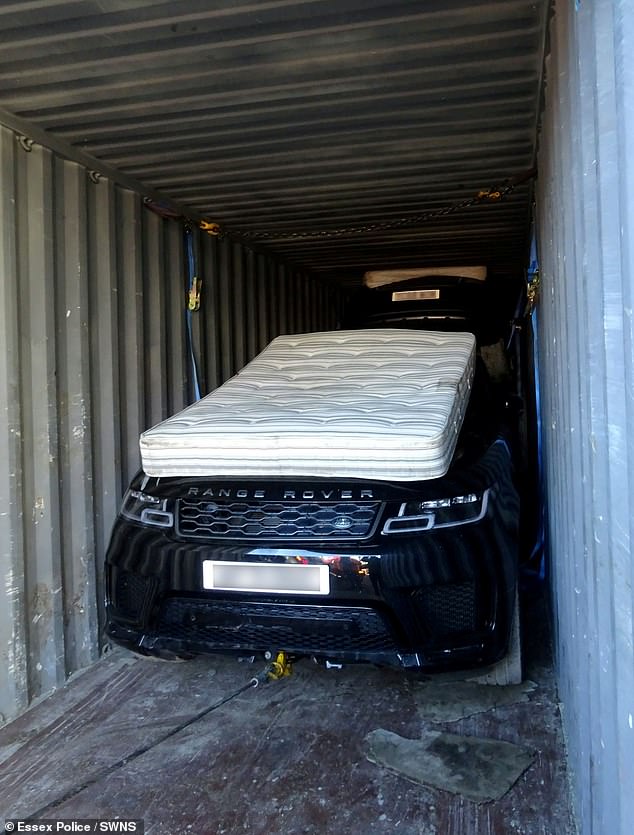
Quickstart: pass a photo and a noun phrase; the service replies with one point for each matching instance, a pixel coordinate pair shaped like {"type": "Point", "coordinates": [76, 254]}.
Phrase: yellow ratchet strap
{"type": "Point", "coordinates": [193, 298]}
{"type": "Point", "coordinates": [280, 668]}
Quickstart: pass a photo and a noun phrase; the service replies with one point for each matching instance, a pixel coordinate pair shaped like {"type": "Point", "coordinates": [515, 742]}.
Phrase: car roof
{"type": "Point", "coordinates": [440, 302]}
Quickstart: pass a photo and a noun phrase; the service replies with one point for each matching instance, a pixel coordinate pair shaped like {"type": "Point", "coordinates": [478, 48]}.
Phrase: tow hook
{"type": "Point", "coordinates": [277, 668]}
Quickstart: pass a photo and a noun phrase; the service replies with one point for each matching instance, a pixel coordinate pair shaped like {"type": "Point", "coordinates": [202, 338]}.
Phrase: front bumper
{"type": "Point", "coordinates": [437, 599]}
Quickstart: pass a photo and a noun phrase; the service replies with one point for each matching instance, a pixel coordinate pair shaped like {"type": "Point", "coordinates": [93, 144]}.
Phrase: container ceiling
{"type": "Point", "coordinates": [281, 117]}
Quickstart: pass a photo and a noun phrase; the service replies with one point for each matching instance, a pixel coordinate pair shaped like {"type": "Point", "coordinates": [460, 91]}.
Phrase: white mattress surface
{"type": "Point", "coordinates": [380, 404]}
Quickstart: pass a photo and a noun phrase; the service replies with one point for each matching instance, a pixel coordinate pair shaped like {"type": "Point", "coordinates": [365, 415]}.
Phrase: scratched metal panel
{"type": "Point", "coordinates": [225, 269]}
{"type": "Point", "coordinates": [239, 309]}
{"type": "Point", "coordinates": [212, 346]}
{"type": "Point", "coordinates": [92, 351]}
{"type": "Point", "coordinates": [299, 115]}
{"type": "Point", "coordinates": [174, 279]}
{"type": "Point", "coordinates": [70, 303]}
{"type": "Point", "coordinates": [264, 301]}
{"type": "Point", "coordinates": [586, 232]}
{"type": "Point", "coordinates": [104, 399]}
{"type": "Point", "coordinates": [14, 692]}
{"type": "Point", "coordinates": [251, 304]}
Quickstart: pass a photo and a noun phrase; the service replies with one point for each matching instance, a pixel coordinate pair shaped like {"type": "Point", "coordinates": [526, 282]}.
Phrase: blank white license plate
{"type": "Point", "coordinates": [266, 577]}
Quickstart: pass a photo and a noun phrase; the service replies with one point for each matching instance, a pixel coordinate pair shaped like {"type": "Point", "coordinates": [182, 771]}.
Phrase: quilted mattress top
{"type": "Point", "coordinates": [374, 404]}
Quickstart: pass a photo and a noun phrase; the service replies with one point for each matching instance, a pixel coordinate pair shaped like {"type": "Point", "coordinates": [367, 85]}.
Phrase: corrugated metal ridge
{"type": "Point", "coordinates": [29, 132]}
{"type": "Point", "coordinates": [294, 113]}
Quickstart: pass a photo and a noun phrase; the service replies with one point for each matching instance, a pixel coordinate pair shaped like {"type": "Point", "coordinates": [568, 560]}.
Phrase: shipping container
{"type": "Point", "coordinates": [277, 151]}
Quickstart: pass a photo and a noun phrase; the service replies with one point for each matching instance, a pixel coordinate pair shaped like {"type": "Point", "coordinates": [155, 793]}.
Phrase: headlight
{"type": "Point", "coordinates": [141, 507]}
{"type": "Point", "coordinates": [438, 513]}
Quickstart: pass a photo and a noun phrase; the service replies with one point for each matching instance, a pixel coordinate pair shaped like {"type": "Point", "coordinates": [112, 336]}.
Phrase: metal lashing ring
{"type": "Point", "coordinates": [26, 143]}
{"type": "Point", "coordinates": [209, 227]}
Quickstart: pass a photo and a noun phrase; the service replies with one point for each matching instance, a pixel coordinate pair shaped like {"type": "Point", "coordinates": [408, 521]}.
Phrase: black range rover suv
{"type": "Point", "coordinates": [416, 574]}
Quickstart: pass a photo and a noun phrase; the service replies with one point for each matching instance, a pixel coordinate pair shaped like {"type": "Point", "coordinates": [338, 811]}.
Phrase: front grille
{"type": "Point", "coordinates": [448, 609]}
{"type": "Point", "coordinates": [224, 624]}
{"type": "Point", "coordinates": [288, 520]}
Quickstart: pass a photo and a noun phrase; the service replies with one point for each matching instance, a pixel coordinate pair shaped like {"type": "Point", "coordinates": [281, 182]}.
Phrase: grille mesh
{"type": "Point", "coordinates": [291, 520]}
{"type": "Point", "coordinates": [130, 594]}
{"type": "Point", "coordinates": [448, 609]}
{"type": "Point", "coordinates": [260, 626]}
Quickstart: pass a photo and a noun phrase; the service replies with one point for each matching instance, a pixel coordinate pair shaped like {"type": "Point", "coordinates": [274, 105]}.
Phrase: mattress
{"type": "Point", "coordinates": [382, 404]}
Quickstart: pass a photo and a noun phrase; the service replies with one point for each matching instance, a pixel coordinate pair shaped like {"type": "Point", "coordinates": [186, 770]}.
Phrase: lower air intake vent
{"type": "Point", "coordinates": [130, 594]}
{"type": "Point", "coordinates": [226, 624]}
{"type": "Point", "coordinates": [447, 609]}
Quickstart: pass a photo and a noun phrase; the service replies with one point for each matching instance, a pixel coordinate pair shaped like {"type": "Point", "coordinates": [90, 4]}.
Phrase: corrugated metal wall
{"type": "Point", "coordinates": [586, 235]}
{"type": "Point", "coordinates": [92, 350]}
